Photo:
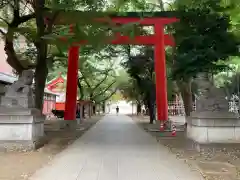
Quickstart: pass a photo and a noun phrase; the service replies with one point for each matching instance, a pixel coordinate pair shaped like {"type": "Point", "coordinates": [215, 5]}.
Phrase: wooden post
{"type": "Point", "coordinates": [160, 71]}
{"type": "Point", "coordinates": [72, 78]}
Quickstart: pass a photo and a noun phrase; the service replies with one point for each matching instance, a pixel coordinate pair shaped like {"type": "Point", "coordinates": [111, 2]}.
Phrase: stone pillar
{"type": "Point", "coordinates": [212, 122]}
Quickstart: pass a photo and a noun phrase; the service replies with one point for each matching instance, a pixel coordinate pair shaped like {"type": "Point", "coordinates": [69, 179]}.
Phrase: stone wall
{"type": "Point", "coordinates": [214, 130]}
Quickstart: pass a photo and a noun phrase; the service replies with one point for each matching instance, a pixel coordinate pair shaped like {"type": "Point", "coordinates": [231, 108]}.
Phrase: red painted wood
{"type": "Point", "coordinates": [60, 106]}
{"type": "Point", "coordinates": [72, 78]}
{"type": "Point", "coordinates": [51, 86]}
{"type": "Point", "coordinates": [160, 70]}
{"type": "Point", "coordinates": [169, 40]}
{"type": "Point", "coordinates": [143, 40]}
{"type": "Point", "coordinates": [141, 21]}
{"type": "Point", "coordinates": [137, 40]}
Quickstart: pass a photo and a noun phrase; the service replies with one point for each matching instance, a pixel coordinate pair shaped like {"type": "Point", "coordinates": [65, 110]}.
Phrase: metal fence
{"type": "Point", "coordinates": [177, 108]}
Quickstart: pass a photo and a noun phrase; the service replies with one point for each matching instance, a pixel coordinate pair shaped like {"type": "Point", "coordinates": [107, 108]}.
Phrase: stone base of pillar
{"type": "Point", "coordinates": [21, 129]}
{"type": "Point", "coordinates": [207, 128]}
{"type": "Point", "coordinates": [155, 127]}
{"type": "Point", "coordinates": [70, 124]}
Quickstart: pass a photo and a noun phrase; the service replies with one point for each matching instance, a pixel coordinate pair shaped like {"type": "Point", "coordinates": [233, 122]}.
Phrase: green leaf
{"type": "Point", "coordinates": [28, 32]}
{"type": "Point", "coordinates": [3, 25]}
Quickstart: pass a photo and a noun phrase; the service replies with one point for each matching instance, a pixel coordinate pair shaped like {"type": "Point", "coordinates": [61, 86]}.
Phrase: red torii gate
{"type": "Point", "coordinates": [159, 40]}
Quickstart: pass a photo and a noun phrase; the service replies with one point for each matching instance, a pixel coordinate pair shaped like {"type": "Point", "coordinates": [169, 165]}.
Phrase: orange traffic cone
{"type": "Point", "coordinates": [161, 127]}
{"type": "Point", "coordinates": [174, 130]}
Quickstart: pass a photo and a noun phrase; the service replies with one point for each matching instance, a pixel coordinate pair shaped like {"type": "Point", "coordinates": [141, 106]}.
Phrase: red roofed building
{"type": "Point", "coordinates": [57, 86]}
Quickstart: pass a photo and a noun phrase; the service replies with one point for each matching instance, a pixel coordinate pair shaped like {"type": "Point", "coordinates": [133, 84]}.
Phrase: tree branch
{"type": "Point", "coordinates": [17, 19]}
{"type": "Point", "coordinates": [105, 77]}
{"type": "Point", "coordinates": [86, 81]}
{"type": "Point", "coordinates": [1, 31]}
{"type": "Point", "coordinates": [26, 18]}
{"type": "Point", "coordinates": [51, 21]}
{"type": "Point", "coordinates": [104, 90]}
{"type": "Point", "coordinates": [12, 58]}
{"type": "Point", "coordinates": [80, 88]}
{"type": "Point", "coordinates": [4, 20]}
{"type": "Point", "coordinates": [106, 98]}
{"type": "Point", "coordinates": [16, 9]}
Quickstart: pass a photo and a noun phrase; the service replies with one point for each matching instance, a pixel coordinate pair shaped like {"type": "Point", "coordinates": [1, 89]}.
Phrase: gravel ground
{"type": "Point", "coordinates": [215, 164]}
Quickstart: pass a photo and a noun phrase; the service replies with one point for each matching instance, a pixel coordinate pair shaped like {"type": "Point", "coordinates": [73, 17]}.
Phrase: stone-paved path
{"type": "Point", "coordinates": [116, 149]}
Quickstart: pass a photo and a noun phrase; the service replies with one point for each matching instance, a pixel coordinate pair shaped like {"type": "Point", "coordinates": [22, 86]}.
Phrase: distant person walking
{"type": "Point", "coordinates": [117, 110]}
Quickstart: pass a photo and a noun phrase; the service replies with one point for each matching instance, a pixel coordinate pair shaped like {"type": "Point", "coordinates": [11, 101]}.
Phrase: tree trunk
{"type": "Point", "coordinates": [12, 59]}
{"type": "Point", "coordinates": [151, 112]}
{"type": "Point", "coordinates": [139, 108]}
{"type": "Point", "coordinates": [186, 93]}
{"type": "Point", "coordinates": [41, 73]}
{"type": "Point", "coordinates": [94, 109]}
{"type": "Point", "coordinates": [151, 107]}
{"type": "Point", "coordinates": [80, 89]}
{"type": "Point", "coordinates": [103, 107]}
{"type": "Point", "coordinates": [40, 79]}
{"type": "Point", "coordinates": [41, 70]}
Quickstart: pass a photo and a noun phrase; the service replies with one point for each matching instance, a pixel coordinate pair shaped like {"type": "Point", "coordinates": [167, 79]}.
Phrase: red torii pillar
{"type": "Point", "coordinates": [72, 81]}
{"type": "Point", "coordinates": [159, 40]}
{"type": "Point", "coordinates": [160, 74]}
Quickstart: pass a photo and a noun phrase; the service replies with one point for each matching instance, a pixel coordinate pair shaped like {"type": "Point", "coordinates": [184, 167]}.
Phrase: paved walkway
{"type": "Point", "coordinates": [116, 149]}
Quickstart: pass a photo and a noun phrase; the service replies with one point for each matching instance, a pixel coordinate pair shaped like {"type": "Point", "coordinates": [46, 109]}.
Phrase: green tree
{"type": "Point", "coordinates": [203, 38]}
{"type": "Point", "coordinates": [141, 69]}
{"type": "Point", "coordinates": [26, 19]}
